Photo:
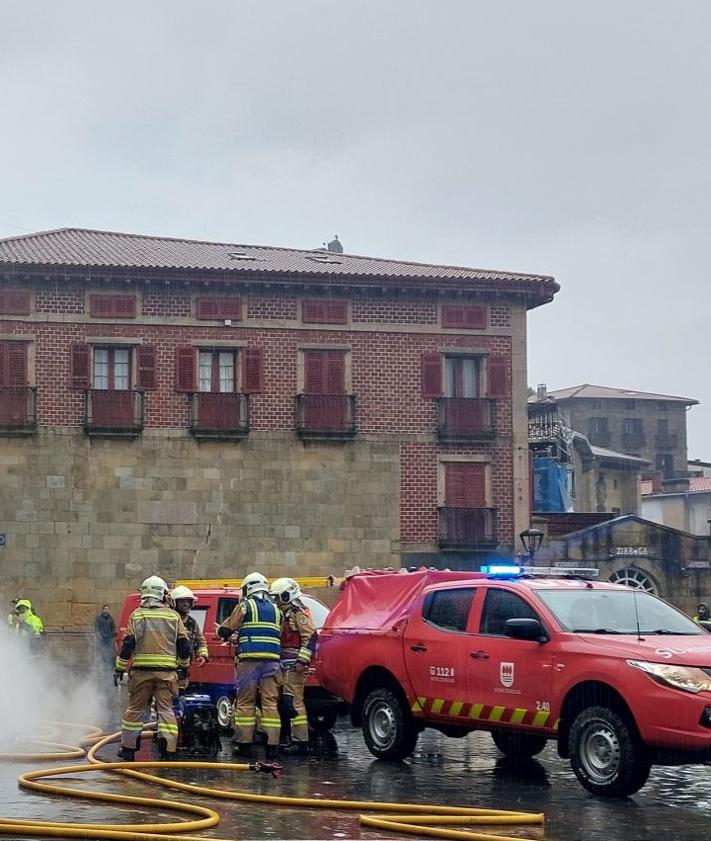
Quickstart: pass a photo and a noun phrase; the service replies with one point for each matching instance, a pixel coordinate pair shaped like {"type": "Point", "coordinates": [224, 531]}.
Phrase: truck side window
{"type": "Point", "coordinates": [499, 606]}
{"type": "Point", "coordinates": [448, 609]}
{"type": "Point", "coordinates": [224, 608]}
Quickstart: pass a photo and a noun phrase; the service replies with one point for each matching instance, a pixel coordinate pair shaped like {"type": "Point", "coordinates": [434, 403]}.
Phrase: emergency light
{"type": "Point", "coordinates": [503, 570]}
{"type": "Point", "coordinates": [514, 571]}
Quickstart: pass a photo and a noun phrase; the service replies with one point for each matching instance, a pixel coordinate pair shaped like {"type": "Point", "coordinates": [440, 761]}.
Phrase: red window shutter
{"type": "Point", "coordinates": [231, 308]}
{"type": "Point", "coordinates": [17, 364]}
{"type": "Point", "coordinates": [312, 311]}
{"type": "Point", "coordinates": [324, 312]}
{"type": "Point", "coordinates": [314, 375]}
{"type": "Point", "coordinates": [336, 312]}
{"type": "Point", "coordinates": [465, 485]}
{"type": "Point", "coordinates": [14, 302]}
{"type": "Point", "coordinates": [431, 375]}
{"type": "Point", "coordinates": [112, 306]}
{"type": "Point", "coordinates": [147, 367]}
{"type": "Point", "coordinates": [466, 317]}
{"type": "Point", "coordinates": [219, 309]}
{"type": "Point", "coordinates": [498, 377]}
{"type": "Point", "coordinates": [335, 372]}
{"type": "Point", "coordinates": [185, 369]}
{"type": "Point", "coordinates": [207, 309]}
{"type": "Point", "coordinates": [80, 365]}
{"type": "Point", "coordinates": [252, 370]}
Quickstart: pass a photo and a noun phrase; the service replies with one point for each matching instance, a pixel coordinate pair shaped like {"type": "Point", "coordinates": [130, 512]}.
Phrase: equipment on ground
{"type": "Point", "coordinates": [198, 730]}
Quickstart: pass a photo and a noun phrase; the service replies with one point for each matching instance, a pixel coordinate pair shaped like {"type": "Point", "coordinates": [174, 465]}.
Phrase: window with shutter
{"type": "Point", "coordinates": [465, 316]}
{"type": "Point", "coordinates": [464, 484]}
{"type": "Point", "coordinates": [147, 375]}
{"type": "Point", "coordinates": [498, 377]}
{"type": "Point", "coordinates": [252, 370]}
{"type": "Point", "coordinates": [216, 308]}
{"type": "Point", "coordinates": [112, 306]}
{"type": "Point", "coordinates": [80, 366]}
{"type": "Point", "coordinates": [325, 372]}
{"type": "Point", "coordinates": [14, 302]}
{"type": "Point", "coordinates": [431, 375]}
{"type": "Point", "coordinates": [324, 312]}
{"type": "Point", "coordinates": [185, 369]}
{"type": "Point", "coordinates": [13, 363]}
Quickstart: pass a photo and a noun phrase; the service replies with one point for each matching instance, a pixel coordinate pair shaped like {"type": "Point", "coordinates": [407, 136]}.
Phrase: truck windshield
{"type": "Point", "coordinates": [616, 612]}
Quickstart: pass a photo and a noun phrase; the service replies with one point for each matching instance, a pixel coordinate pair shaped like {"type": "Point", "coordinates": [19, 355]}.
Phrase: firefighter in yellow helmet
{"type": "Point", "coordinates": [298, 641]}
{"type": "Point", "coordinates": [257, 622]}
{"type": "Point", "coordinates": [157, 641]}
{"type": "Point", "coordinates": [184, 600]}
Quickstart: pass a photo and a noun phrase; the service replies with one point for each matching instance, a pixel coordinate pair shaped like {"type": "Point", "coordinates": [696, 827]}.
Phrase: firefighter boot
{"type": "Point", "coordinates": [126, 754]}
{"type": "Point", "coordinates": [296, 749]}
{"type": "Point", "coordinates": [243, 749]}
{"type": "Point", "coordinates": [272, 751]}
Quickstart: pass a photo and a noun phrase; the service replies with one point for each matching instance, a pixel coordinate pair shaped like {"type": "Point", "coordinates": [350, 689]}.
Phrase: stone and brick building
{"type": "Point", "coordinates": [201, 409]}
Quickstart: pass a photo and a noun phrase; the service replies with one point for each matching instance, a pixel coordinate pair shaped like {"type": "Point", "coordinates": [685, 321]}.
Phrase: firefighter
{"type": "Point", "coordinates": [257, 622]}
{"type": "Point", "coordinates": [298, 641]}
{"type": "Point", "coordinates": [702, 612]}
{"type": "Point", "coordinates": [159, 644]}
{"type": "Point", "coordinates": [184, 600]}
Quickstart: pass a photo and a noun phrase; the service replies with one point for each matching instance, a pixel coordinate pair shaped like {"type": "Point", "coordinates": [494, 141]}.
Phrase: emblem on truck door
{"type": "Point", "coordinates": [506, 674]}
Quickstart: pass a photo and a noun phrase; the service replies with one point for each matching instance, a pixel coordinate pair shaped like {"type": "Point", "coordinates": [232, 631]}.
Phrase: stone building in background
{"type": "Point", "coordinates": [199, 409]}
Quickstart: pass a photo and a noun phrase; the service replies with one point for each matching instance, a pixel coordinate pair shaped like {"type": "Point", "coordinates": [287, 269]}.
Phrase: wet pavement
{"type": "Point", "coordinates": [675, 804]}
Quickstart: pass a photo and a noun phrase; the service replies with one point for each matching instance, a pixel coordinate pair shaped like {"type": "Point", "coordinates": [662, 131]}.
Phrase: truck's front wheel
{"type": "Point", "coordinates": [606, 753]}
{"type": "Point", "coordinates": [388, 728]}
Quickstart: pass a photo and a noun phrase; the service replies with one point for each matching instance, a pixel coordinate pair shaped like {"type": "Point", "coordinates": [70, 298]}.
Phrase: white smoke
{"type": "Point", "coordinates": [40, 692]}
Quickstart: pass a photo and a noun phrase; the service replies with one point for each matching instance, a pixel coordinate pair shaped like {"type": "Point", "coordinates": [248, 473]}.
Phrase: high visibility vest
{"type": "Point", "coordinates": [260, 631]}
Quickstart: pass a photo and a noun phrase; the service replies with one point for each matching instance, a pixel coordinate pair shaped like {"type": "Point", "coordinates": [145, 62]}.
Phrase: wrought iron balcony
{"type": "Point", "coordinates": [18, 410]}
{"type": "Point", "coordinates": [113, 413]}
{"type": "Point", "coordinates": [666, 441]}
{"type": "Point", "coordinates": [467, 528]}
{"type": "Point", "coordinates": [466, 418]}
{"type": "Point", "coordinates": [633, 441]}
{"type": "Point", "coordinates": [219, 415]}
{"type": "Point", "coordinates": [326, 416]}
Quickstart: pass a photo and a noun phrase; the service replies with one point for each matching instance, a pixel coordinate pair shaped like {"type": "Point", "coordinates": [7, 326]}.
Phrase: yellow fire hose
{"type": "Point", "coordinates": [414, 819]}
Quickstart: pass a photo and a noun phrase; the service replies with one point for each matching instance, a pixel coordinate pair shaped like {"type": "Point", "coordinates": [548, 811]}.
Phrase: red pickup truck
{"type": "Point", "coordinates": [619, 678]}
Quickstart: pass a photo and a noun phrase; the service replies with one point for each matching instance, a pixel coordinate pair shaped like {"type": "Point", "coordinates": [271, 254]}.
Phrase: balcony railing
{"type": "Point", "coordinates": [325, 416]}
{"type": "Point", "coordinates": [113, 412]}
{"type": "Point", "coordinates": [219, 415]}
{"type": "Point", "coordinates": [466, 418]}
{"type": "Point", "coordinates": [667, 441]}
{"type": "Point", "coordinates": [632, 441]}
{"type": "Point", "coordinates": [18, 410]}
{"type": "Point", "coordinates": [467, 528]}
{"type": "Point", "coordinates": [600, 439]}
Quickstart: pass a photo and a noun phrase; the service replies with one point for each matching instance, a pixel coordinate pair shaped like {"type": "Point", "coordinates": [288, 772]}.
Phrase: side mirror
{"type": "Point", "coordinates": [526, 629]}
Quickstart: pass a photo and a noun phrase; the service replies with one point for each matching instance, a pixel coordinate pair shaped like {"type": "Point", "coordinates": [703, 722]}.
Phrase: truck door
{"type": "Point", "coordinates": [509, 679]}
{"type": "Point", "coordinates": [436, 650]}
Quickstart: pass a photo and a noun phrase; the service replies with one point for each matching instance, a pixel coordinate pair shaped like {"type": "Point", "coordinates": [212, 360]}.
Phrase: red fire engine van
{"type": "Point", "coordinates": [619, 678]}
{"type": "Point", "coordinates": [217, 678]}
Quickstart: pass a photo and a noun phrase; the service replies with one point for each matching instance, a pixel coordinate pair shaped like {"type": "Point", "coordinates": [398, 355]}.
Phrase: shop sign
{"type": "Point", "coordinates": [632, 552]}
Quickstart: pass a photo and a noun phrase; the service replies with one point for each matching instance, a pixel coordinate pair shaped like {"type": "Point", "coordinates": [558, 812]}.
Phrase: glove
{"type": "Point", "coordinates": [118, 677]}
{"type": "Point", "coordinates": [300, 667]}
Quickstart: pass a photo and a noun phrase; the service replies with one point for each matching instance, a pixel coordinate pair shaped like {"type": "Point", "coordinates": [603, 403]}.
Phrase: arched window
{"type": "Point", "coordinates": [633, 577]}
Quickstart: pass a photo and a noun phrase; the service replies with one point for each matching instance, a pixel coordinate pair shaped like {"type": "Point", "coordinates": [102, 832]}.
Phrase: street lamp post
{"type": "Point", "coordinates": [531, 539]}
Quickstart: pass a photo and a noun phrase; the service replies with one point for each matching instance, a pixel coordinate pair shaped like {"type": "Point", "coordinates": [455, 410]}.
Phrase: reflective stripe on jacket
{"type": "Point", "coordinates": [157, 639]}
{"type": "Point", "coordinates": [259, 631]}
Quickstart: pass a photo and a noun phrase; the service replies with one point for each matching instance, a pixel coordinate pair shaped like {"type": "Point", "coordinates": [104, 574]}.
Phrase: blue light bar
{"type": "Point", "coordinates": [503, 570]}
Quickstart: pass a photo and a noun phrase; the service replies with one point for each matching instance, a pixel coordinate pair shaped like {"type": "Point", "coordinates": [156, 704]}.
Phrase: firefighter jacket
{"type": "Point", "coordinates": [198, 643]}
{"type": "Point", "coordinates": [29, 623]}
{"type": "Point", "coordinates": [257, 622]}
{"type": "Point", "coordinates": [157, 639]}
{"type": "Point", "coordinates": [298, 634]}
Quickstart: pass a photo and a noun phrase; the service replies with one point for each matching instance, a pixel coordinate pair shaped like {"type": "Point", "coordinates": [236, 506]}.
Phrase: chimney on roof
{"type": "Point", "coordinates": [541, 392]}
{"type": "Point", "coordinates": [335, 245]}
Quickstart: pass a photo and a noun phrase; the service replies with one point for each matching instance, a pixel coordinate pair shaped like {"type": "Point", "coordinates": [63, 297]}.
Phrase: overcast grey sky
{"type": "Point", "coordinates": [555, 136]}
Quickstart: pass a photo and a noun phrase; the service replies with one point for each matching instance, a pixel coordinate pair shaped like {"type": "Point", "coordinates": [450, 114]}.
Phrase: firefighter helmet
{"type": "Point", "coordinates": [154, 588]}
{"type": "Point", "coordinates": [183, 592]}
{"type": "Point", "coordinates": [285, 590]}
{"type": "Point", "coordinates": [253, 583]}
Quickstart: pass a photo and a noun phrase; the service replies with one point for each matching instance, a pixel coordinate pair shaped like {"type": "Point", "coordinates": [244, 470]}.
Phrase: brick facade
{"type": "Point", "coordinates": [91, 512]}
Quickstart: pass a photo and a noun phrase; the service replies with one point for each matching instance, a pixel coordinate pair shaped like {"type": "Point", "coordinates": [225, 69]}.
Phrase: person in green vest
{"type": "Point", "coordinates": [27, 621]}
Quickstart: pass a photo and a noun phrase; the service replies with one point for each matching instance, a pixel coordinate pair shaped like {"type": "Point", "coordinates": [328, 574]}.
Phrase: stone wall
{"type": "Point", "coordinates": [87, 519]}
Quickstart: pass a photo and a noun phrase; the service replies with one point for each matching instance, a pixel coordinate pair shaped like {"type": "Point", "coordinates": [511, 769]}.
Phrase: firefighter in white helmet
{"type": "Point", "coordinates": [298, 641]}
{"type": "Point", "coordinates": [158, 644]}
{"type": "Point", "coordinates": [184, 600]}
{"type": "Point", "coordinates": [257, 623]}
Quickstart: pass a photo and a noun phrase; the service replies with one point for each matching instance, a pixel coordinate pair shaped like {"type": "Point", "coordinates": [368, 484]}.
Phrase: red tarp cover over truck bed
{"type": "Point", "coordinates": [371, 601]}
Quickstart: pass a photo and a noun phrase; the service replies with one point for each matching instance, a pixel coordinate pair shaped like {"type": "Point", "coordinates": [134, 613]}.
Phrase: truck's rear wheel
{"type": "Point", "coordinates": [518, 745]}
{"type": "Point", "coordinates": [388, 728]}
{"type": "Point", "coordinates": [606, 753]}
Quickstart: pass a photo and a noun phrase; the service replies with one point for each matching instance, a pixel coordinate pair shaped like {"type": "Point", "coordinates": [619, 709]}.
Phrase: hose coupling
{"type": "Point", "coordinates": [273, 768]}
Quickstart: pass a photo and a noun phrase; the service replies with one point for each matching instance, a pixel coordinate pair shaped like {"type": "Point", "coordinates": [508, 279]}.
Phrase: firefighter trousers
{"type": "Point", "coordinates": [143, 687]}
{"type": "Point", "coordinates": [252, 676]}
{"type": "Point", "coordinates": [293, 685]}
